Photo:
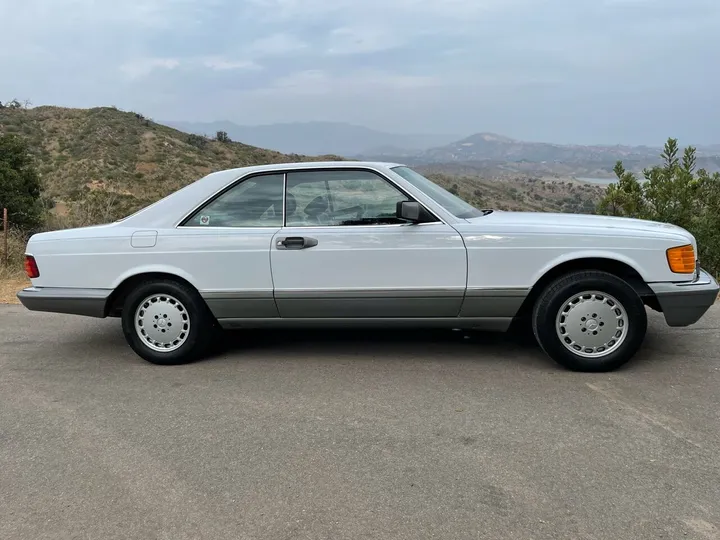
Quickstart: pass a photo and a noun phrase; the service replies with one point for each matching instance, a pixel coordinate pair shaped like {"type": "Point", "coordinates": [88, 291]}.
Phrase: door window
{"type": "Point", "coordinates": [336, 198]}
{"type": "Point", "coordinates": [255, 202]}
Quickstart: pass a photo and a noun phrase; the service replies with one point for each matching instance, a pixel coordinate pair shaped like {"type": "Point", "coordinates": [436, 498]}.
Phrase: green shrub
{"type": "Point", "coordinates": [673, 192]}
{"type": "Point", "coordinates": [19, 183]}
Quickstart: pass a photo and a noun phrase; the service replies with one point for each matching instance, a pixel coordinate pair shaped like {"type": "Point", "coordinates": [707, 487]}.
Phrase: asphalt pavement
{"type": "Point", "coordinates": [354, 435]}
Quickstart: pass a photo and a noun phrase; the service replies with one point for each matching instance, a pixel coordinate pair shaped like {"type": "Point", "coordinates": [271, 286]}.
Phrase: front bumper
{"type": "Point", "coordinates": [685, 303]}
{"type": "Point", "coordinates": [87, 302]}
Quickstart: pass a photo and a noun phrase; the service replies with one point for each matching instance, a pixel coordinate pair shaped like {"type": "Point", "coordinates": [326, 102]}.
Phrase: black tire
{"type": "Point", "coordinates": [192, 310]}
{"type": "Point", "coordinates": [560, 292]}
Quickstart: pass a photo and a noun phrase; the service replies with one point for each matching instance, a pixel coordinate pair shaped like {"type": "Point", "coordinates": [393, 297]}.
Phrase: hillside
{"type": "Point", "coordinates": [520, 193]}
{"type": "Point", "coordinates": [100, 164]}
{"type": "Point", "coordinates": [316, 138]}
{"type": "Point", "coordinates": [120, 160]}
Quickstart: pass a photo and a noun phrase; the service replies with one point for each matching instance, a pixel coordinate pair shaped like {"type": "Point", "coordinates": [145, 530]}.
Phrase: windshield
{"type": "Point", "coordinates": [452, 203]}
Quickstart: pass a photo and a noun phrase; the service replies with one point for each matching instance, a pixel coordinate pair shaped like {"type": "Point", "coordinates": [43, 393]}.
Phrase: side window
{"type": "Point", "coordinates": [326, 198]}
{"type": "Point", "coordinates": [255, 202]}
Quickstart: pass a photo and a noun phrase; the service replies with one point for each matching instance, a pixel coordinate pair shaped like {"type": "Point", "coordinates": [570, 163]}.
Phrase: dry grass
{"type": "Point", "coordinates": [12, 275]}
{"type": "Point", "coordinates": [9, 288]}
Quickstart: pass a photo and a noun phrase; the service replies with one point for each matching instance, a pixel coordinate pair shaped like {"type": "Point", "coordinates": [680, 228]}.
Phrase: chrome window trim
{"type": "Point", "coordinates": [284, 210]}
{"type": "Point", "coordinates": [362, 226]}
{"type": "Point", "coordinates": [278, 227]}
{"type": "Point", "coordinates": [270, 172]}
{"type": "Point", "coordinates": [205, 228]}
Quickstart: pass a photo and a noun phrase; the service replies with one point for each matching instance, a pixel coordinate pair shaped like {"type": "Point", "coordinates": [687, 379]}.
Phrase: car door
{"type": "Point", "coordinates": [342, 252]}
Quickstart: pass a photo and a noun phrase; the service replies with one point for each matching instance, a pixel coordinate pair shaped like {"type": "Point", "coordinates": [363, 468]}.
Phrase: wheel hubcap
{"type": "Point", "coordinates": [162, 322]}
{"type": "Point", "coordinates": [592, 324]}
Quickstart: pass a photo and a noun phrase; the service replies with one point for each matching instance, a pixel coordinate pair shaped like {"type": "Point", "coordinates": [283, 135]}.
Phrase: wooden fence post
{"type": "Point", "coordinates": [6, 255]}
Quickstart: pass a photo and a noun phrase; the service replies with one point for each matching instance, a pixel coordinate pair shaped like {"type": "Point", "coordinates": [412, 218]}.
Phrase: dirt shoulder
{"type": "Point", "coordinates": [9, 288]}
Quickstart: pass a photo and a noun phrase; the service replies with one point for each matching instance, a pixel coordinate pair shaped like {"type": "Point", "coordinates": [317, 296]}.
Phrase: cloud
{"type": "Point", "coordinates": [597, 70]}
{"type": "Point", "coordinates": [219, 63]}
{"type": "Point", "coordinates": [358, 40]}
{"type": "Point", "coordinates": [276, 45]}
{"type": "Point", "coordinates": [144, 66]}
{"type": "Point", "coordinates": [368, 10]}
{"type": "Point", "coordinates": [318, 82]}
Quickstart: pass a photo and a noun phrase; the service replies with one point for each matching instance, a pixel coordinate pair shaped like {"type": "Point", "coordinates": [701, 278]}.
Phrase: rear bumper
{"type": "Point", "coordinates": [684, 304]}
{"type": "Point", "coordinates": [86, 302]}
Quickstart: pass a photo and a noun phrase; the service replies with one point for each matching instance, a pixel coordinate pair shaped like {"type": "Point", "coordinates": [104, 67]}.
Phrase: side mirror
{"type": "Point", "coordinates": [413, 211]}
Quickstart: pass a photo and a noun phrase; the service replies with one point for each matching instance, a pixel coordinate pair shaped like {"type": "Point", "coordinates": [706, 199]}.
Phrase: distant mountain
{"type": "Point", "coordinates": [319, 138]}
{"type": "Point", "coordinates": [489, 146]}
{"type": "Point", "coordinates": [709, 150]}
{"type": "Point", "coordinates": [490, 153]}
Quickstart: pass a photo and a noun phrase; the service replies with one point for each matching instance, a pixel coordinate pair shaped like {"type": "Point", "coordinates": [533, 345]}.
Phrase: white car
{"type": "Point", "coordinates": [358, 244]}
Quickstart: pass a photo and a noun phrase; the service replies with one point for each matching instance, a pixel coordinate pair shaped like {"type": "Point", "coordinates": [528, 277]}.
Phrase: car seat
{"type": "Point", "coordinates": [318, 211]}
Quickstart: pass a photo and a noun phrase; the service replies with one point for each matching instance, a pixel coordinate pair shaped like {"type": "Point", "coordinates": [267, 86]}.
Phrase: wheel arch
{"type": "Point", "coordinates": [113, 306]}
{"type": "Point", "coordinates": [623, 269]}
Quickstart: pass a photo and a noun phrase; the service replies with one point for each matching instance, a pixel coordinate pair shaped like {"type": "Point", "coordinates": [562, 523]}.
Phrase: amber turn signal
{"type": "Point", "coordinates": [681, 259]}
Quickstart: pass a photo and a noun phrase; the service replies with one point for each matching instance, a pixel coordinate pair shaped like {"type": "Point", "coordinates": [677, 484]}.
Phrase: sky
{"type": "Point", "coordinates": [564, 71]}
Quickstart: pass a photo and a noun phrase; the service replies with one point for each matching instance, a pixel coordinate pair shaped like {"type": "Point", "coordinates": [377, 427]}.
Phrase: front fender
{"type": "Point", "coordinates": [590, 254]}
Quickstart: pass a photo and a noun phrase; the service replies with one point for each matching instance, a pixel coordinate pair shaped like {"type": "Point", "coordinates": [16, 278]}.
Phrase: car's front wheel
{"type": "Point", "coordinates": [590, 321]}
{"type": "Point", "coordinates": [166, 322]}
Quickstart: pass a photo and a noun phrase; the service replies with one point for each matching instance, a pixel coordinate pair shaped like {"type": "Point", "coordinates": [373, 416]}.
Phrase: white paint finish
{"type": "Point", "coordinates": [579, 224]}
{"type": "Point", "coordinates": [381, 258]}
{"type": "Point", "coordinates": [515, 249]}
{"type": "Point", "coordinates": [385, 258]}
{"type": "Point", "coordinates": [226, 259]}
{"type": "Point", "coordinates": [505, 249]}
{"type": "Point", "coordinates": [221, 259]}
{"type": "Point", "coordinates": [143, 239]}
{"type": "Point", "coordinates": [89, 262]}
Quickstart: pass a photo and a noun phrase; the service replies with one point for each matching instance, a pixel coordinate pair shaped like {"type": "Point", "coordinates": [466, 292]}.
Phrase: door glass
{"type": "Point", "coordinates": [255, 202]}
{"type": "Point", "coordinates": [335, 198]}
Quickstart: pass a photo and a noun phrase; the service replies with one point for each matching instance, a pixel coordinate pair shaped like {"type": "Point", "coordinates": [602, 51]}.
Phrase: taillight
{"type": "Point", "coordinates": [31, 267]}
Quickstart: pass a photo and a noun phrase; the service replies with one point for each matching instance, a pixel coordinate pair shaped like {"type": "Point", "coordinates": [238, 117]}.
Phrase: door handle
{"type": "Point", "coordinates": [296, 242]}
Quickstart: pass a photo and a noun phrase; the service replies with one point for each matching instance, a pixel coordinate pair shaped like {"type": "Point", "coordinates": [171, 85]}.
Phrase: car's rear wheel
{"type": "Point", "coordinates": [166, 322]}
{"type": "Point", "coordinates": [590, 321]}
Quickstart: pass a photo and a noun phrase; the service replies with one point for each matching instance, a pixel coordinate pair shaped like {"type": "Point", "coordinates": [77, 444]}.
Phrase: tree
{"type": "Point", "coordinates": [19, 183]}
{"type": "Point", "coordinates": [223, 137]}
{"type": "Point", "coordinates": [14, 104]}
{"type": "Point", "coordinates": [673, 192]}
{"type": "Point", "coordinates": [197, 140]}
{"type": "Point", "coordinates": [623, 198]}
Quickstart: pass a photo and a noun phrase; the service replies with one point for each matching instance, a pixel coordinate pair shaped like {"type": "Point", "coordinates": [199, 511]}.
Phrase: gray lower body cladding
{"type": "Point", "coordinates": [491, 309]}
{"type": "Point", "coordinates": [244, 304]}
{"type": "Point", "coordinates": [425, 307]}
{"type": "Point", "coordinates": [85, 302]}
{"type": "Point", "coordinates": [684, 304]}
{"type": "Point", "coordinates": [369, 303]}
{"type": "Point", "coordinates": [493, 302]}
